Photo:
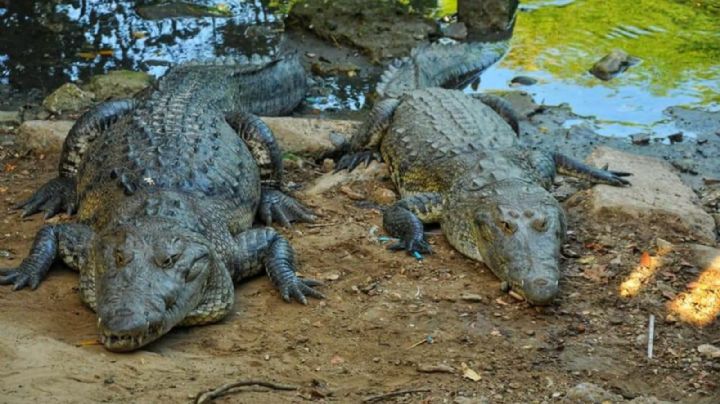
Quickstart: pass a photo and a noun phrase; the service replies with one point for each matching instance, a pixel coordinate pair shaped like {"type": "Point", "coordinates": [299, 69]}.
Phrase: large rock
{"type": "Point", "coordinates": [329, 181]}
{"type": "Point", "coordinates": [487, 16]}
{"type": "Point", "coordinates": [118, 84]}
{"type": "Point", "coordinates": [379, 28]}
{"type": "Point", "coordinates": [68, 98]}
{"type": "Point", "coordinates": [656, 198]}
{"type": "Point", "coordinates": [591, 394]}
{"type": "Point", "coordinates": [42, 137]}
{"type": "Point", "coordinates": [310, 137]}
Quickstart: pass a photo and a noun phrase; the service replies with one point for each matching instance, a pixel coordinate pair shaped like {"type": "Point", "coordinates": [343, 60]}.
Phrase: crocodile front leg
{"type": "Point", "coordinates": [256, 249]}
{"type": "Point", "coordinates": [571, 167]}
{"type": "Point", "coordinates": [69, 242]}
{"type": "Point", "coordinates": [405, 219]}
{"type": "Point", "coordinates": [364, 143]}
{"type": "Point", "coordinates": [274, 203]}
{"type": "Point", "coordinates": [58, 194]}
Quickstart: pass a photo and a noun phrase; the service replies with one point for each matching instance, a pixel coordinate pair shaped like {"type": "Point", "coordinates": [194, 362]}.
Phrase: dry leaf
{"type": "Point", "coordinates": [8, 168]}
{"type": "Point", "coordinates": [469, 373]}
{"type": "Point", "coordinates": [597, 273]}
{"type": "Point", "coordinates": [645, 259]}
{"type": "Point", "coordinates": [89, 342]}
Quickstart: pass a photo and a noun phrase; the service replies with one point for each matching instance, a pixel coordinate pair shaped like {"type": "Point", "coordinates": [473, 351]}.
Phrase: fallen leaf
{"type": "Point", "coordinates": [645, 259]}
{"type": "Point", "coordinates": [337, 360]}
{"type": "Point", "coordinates": [8, 168]}
{"type": "Point", "coordinates": [469, 373]}
{"type": "Point", "coordinates": [89, 342]}
{"type": "Point", "coordinates": [597, 273]}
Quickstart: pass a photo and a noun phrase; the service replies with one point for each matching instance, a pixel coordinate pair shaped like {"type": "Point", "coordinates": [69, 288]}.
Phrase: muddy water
{"type": "Point", "coordinates": [677, 41]}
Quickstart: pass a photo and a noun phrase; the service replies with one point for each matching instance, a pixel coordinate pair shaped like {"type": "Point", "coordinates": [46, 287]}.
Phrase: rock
{"type": "Point", "coordinates": [9, 118]}
{"type": "Point", "coordinates": [352, 194]}
{"type": "Point", "coordinates": [523, 81]}
{"type": "Point", "coordinates": [365, 28]}
{"type": "Point", "coordinates": [656, 198]}
{"type": "Point", "coordinates": [328, 165]}
{"type": "Point", "coordinates": [331, 69]}
{"type": "Point", "coordinates": [487, 16]}
{"type": "Point", "coordinates": [68, 98]}
{"type": "Point", "coordinates": [676, 138]}
{"type": "Point", "coordinates": [640, 139]}
{"type": "Point", "coordinates": [471, 400]}
{"type": "Point", "coordinates": [709, 351]}
{"type": "Point", "coordinates": [383, 196]}
{"type": "Point", "coordinates": [455, 30]}
{"type": "Point", "coordinates": [688, 166]}
{"type": "Point", "coordinates": [590, 393]}
{"type": "Point", "coordinates": [331, 180]}
{"type": "Point", "coordinates": [439, 368]}
{"type": "Point", "coordinates": [118, 84]}
{"type": "Point", "coordinates": [704, 257]}
{"type": "Point", "coordinates": [612, 64]}
{"type": "Point", "coordinates": [307, 136]}
{"type": "Point", "coordinates": [42, 137]}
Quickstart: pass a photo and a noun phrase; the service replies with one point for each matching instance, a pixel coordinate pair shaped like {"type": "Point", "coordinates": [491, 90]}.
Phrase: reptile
{"type": "Point", "coordinates": [165, 188]}
{"type": "Point", "coordinates": [456, 160]}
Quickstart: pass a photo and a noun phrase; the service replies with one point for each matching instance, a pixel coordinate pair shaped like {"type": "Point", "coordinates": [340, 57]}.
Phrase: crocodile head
{"type": "Point", "coordinates": [516, 228]}
{"type": "Point", "coordinates": [148, 277]}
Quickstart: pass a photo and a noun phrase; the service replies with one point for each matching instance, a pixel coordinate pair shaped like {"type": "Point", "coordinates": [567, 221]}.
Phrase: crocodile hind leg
{"type": "Point", "coordinates": [260, 248]}
{"type": "Point", "coordinates": [571, 167]}
{"type": "Point", "coordinates": [405, 219]}
{"type": "Point", "coordinates": [58, 194]}
{"type": "Point", "coordinates": [274, 203]}
{"type": "Point", "coordinates": [364, 143]}
{"type": "Point", "coordinates": [69, 242]}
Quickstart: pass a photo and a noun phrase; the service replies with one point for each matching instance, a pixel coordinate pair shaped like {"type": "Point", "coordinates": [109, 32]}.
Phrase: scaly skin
{"type": "Point", "coordinates": [457, 162]}
{"type": "Point", "coordinates": [166, 188]}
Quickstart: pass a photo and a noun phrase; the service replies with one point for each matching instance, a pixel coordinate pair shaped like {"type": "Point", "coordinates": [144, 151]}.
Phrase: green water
{"type": "Point", "coordinates": [677, 41]}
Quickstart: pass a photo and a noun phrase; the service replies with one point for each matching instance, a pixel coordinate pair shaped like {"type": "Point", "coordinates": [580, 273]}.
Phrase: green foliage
{"type": "Point", "coordinates": [678, 42]}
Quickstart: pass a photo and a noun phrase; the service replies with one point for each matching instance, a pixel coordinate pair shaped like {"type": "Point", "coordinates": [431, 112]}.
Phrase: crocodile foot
{"type": "Point", "coordinates": [55, 196]}
{"type": "Point", "coordinates": [298, 288]}
{"type": "Point", "coordinates": [353, 160]}
{"type": "Point", "coordinates": [412, 245]}
{"type": "Point", "coordinates": [275, 205]}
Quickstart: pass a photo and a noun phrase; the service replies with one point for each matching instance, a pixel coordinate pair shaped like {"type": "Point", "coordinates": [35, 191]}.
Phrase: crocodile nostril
{"type": "Point", "coordinates": [540, 282]}
{"type": "Point", "coordinates": [124, 312]}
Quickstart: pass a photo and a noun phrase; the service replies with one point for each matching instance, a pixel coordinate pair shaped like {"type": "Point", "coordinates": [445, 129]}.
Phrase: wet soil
{"type": "Point", "coordinates": [386, 316]}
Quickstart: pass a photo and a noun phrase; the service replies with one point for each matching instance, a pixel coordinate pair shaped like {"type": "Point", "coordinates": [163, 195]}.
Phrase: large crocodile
{"type": "Point", "coordinates": [166, 188]}
{"type": "Point", "coordinates": [456, 161]}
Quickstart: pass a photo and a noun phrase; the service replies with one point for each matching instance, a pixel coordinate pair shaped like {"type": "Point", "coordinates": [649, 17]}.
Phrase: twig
{"type": "Point", "coordinates": [225, 388]}
{"type": "Point", "coordinates": [651, 336]}
{"type": "Point", "coordinates": [315, 225]}
{"type": "Point", "coordinates": [381, 397]}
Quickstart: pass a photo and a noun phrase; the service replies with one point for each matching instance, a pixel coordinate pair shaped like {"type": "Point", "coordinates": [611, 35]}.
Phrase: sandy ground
{"type": "Point", "coordinates": [386, 318]}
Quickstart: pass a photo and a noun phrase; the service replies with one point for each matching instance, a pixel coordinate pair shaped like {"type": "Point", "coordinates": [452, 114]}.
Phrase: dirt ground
{"type": "Point", "coordinates": [387, 319]}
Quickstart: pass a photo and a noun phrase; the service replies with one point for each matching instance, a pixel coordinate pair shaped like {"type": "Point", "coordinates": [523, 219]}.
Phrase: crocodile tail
{"type": "Point", "coordinates": [439, 65]}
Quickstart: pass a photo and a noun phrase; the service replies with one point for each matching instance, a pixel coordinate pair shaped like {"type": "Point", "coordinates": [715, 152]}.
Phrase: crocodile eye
{"type": "Point", "coordinates": [122, 258]}
{"type": "Point", "coordinates": [540, 225]}
{"type": "Point", "coordinates": [168, 261]}
{"type": "Point", "coordinates": [507, 227]}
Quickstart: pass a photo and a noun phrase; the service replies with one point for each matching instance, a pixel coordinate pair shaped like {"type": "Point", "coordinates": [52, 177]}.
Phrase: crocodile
{"type": "Point", "coordinates": [456, 160]}
{"type": "Point", "coordinates": [165, 188]}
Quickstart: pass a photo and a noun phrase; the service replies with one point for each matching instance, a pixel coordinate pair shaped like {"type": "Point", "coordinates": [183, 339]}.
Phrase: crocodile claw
{"type": "Point", "coordinates": [297, 289]}
{"type": "Point", "coordinates": [23, 276]}
{"type": "Point", "coordinates": [53, 197]}
{"type": "Point", "coordinates": [412, 246]}
{"type": "Point", "coordinates": [278, 207]}
{"type": "Point", "coordinates": [353, 160]}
